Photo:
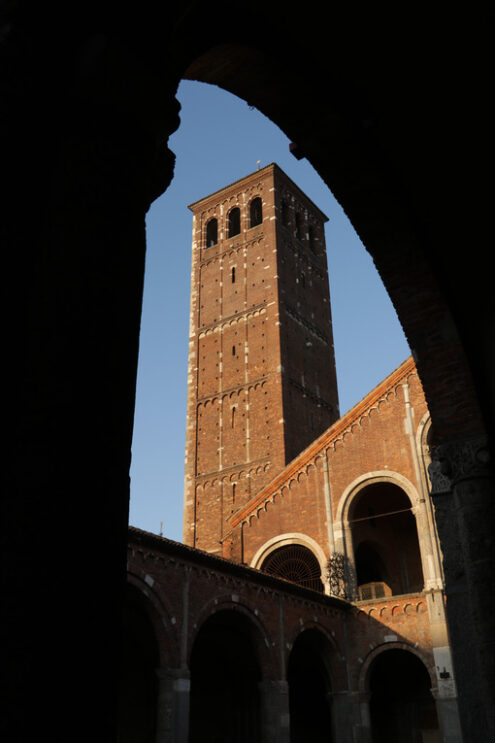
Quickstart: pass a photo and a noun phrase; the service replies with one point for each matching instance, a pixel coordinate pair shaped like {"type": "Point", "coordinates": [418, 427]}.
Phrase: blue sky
{"type": "Point", "coordinates": [220, 140]}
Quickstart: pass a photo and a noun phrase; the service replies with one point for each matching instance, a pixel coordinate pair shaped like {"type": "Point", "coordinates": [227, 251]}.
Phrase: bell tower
{"type": "Point", "coordinates": [261, 380]}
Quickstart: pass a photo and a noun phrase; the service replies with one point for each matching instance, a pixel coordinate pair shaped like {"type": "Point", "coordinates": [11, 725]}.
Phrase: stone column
{"type": "Point", "coordinates": [464, 499]}
{"type": "Point", "coordinates": [275, 718]}
{"type": "Point", "coordinates": [172, 725]}
{"type": "Point", "coordinates": [448, 715]}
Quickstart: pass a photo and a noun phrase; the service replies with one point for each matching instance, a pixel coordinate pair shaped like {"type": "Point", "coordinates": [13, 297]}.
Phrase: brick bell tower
{"type": "Point", "coordinates": [261, 381]}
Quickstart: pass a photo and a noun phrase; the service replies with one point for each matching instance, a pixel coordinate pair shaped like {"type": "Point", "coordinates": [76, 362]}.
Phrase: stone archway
{"type": "Point", "coordinates": [225, 678]}
{"type": "Point", "coordinates": [384, 143]}
{"type": "Point", "coordinates": [402, 707]}
{"type": "Point", "coordinates": [139, 684]}
{"type": "Point", "coordinates": [310, 688]}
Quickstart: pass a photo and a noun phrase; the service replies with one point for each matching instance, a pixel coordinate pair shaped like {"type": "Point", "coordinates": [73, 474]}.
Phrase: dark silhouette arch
{"type": "Point", "coordinates": [383, 143]}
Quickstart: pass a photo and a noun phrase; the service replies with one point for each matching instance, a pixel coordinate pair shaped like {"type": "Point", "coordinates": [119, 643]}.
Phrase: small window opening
{"type": "Point", "coordinates": [233, 350]}
{"type": "Point", "coordinates": [256, 212]}
{"type": "Point", "coordinates": [233, 492]}
{"type": "Point", "coordinates": [233, 275]}
{"type": "Point", "coordinates": [234, 222]}
{"type": "Point", "coordinates": [233, 418]}
{"type": "Point", "coordinates": [211, 233]}
{"type": "Point", "coordinates": [285, 214]}
{"type": "Point", "coordinates": [311, 236]}
{"type": "Point", "coordinates": [298, 226]}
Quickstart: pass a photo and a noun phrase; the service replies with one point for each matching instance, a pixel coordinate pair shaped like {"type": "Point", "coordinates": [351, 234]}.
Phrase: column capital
{"type": "Point", "coordinates": [458, 460]}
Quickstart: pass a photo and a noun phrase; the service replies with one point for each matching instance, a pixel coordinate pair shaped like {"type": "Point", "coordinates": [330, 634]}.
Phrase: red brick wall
{"type": "Point", "coordinates": [371, 438]}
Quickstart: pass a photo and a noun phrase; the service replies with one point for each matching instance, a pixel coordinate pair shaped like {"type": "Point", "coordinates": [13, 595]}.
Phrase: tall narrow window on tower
{"type": "Point", "coordinates": [299, 234]}
{"type": "Point", "coordinates": [234, 221]}
{"type": "Point", "coordinates": [211, 233]}
{"type": "Point", "coordinates": [285, 213]}
{"type": "Point", "coordinates": [311, 236]}
{"type": "Point", "coordinates": [255, 212]}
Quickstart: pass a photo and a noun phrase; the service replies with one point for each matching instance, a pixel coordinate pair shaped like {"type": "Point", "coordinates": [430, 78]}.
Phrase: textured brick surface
{"type": "Point", "coordinates": [262, 378]}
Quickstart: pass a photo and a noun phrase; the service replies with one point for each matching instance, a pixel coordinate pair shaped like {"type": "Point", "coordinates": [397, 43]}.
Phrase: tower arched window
{"type": "Point", "coordinates": [234, 221]}
{"type": "Point", "coordinates": [211, 233]}
{"type": "Point", "coordinates": [255, 212]}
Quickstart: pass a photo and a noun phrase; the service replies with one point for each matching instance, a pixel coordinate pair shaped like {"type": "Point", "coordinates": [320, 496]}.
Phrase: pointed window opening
{"type": "Point", "coordinates": [233, 275]}
{"type": "Point", "coordinates": [233, 418]}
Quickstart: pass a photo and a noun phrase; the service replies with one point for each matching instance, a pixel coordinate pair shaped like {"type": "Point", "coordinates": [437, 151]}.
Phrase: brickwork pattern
{"type": "Point", "coordinates": [257, 393]}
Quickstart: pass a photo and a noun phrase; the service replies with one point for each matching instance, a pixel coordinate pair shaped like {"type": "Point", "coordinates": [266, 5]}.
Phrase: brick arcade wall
{"type": "Point", "coordinates": [182, 587]}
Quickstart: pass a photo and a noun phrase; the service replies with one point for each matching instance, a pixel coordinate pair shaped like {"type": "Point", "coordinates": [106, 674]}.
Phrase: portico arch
{"type": "Point", "coordinates": [225, 677]}
{"type": "Point", "coordinates": [310, 688]}
{"type": "Point", "coordinates": [399, 686]}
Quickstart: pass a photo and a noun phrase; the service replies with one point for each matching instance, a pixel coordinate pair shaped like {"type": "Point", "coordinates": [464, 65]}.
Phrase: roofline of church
{"type": "Point", "coordinates": [216, 562]}
{"type": "Point", "coordinates": [272, 166]}
{"type": "Point", "coordinates": [326, 438]}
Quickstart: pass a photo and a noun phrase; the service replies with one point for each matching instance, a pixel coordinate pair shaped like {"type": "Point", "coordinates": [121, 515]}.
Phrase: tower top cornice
{"type": "Point", "coordinates": [271, 168]}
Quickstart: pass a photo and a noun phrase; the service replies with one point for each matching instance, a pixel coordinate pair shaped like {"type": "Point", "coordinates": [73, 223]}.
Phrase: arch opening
{"type": "Point", "coordinates": [309, 689]}
{"type": "Point", "coordinates": [225, 674]}
{"type": "Point", "coordinates": [212, 233]}
{"type": "Point", "coordinates": [138, 692]}
{"type": "Point", "coordinates": [234, 222]}
{"type": "Point", "coordinates": [385, 542]}
{"type": "Point", "coordinates": [296, 563]}
{"type": "Point", "coordinates": [402, 708]}
{"type": "Point", "coordinates": [255, 212]}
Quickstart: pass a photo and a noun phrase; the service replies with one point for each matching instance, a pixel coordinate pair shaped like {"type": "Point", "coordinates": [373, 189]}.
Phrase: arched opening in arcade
{"type": "Point", "coordinates": [310, 689]}
{"type": "Point", "coordinates": [138, 692]}
{"type": "Point", "coordinates": [225, 674]}
{"type": "Point", "coordinates": [402, 708]}
{"type": "Point", "coordinates": [385, 542]}
{"type": "Point", "coordinates": [296, 563]}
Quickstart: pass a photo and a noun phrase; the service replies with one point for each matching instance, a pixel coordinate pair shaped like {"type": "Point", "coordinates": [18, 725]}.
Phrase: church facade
{"type": "Point", "coordinates": [307, 601]}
